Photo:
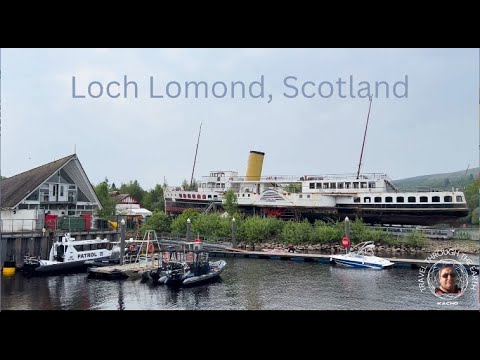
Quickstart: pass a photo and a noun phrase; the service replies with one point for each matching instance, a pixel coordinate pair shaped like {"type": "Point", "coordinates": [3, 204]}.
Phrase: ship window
{"type": "Point", "coordinates": [189, 196]}
{"type": "Point", "coordinates": [447, 199]}
{"type": "Point", "coordinates": [355, 185]}
{"type": "Point", "coordinates": [319, 185]}
{"type": "Point", "coordinates": [423, 199]}
{"type": "Point", "coordinates": [215, 196]}
{"type": "Point", "coordinates": [333, 185]}
{"type": "Point", "coordinates": [248, 194]}
{"type": "Point", "coordinates": [435, 198]}
{"type": "Point", "coordinates": [400, 199]}
{"type": "Point", "coordinates": [300, 196]}
{"type": "Point", "coordinates": [348, 185]}
{"type": "Point", "coordinates": [312, 185]}
{"type": "Point", "coordinates": [366, 199]}
{"type": "Point", "coordinates": [363, 185]}
{"type": "Point", "coordinates": [209, 196]}
{"type": "Point", "coordinates": [340, 185]}
{"type": "Point", "coordinates": [356, 199]}
{"type": "Point", "coordinates": [388, 199]}
{"type": "Point", "coordinates": [204, 197]}
{"type": "Point", "coordinates": [378, 199]}
{"type": "Point", "coordinates": [243, 195]}
{"type": "Point", "coordinates": [308, 196]}
{"type": "Point", "coordinates": [459, 198]}
{"type": "Point", "coordinates": [412, 199]}
{"type": "Point", "coordinates": [325, 185]}
{"type": "Point", "coordinates": [199, 196]}
{"type": "Point", "coordinates": [371, 184]}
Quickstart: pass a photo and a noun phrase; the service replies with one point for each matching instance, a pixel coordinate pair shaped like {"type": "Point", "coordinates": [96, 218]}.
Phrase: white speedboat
{"type": "Point", "coordinates": [362, 258]}
{"type": "Point", "coordinates": [68, 254]}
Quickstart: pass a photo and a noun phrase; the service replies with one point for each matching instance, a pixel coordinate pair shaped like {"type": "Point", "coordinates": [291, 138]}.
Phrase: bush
{"type": "Point", "coordinates": [297, 233]}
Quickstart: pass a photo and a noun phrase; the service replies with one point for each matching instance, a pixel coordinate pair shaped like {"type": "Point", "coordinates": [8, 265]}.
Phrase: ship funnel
{"type": "Point", "coordinates": [254, 166]}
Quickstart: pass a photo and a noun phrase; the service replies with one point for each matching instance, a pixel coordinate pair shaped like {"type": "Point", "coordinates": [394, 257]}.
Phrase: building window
{"type": "Point", "coordinates": [435, 198]}
{"type": "Point", "coordinates": [400, 199]}
{"type": "Point", "coordinates": [423, 199]}
{"type": "Point", "coordinates": [447, 199]}
{"type": "Point", "coordinates": [412, 199]}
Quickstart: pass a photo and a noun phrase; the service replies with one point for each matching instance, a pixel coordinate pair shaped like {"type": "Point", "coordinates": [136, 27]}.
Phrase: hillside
{"type": "Point", "coordinates": [457, 179]}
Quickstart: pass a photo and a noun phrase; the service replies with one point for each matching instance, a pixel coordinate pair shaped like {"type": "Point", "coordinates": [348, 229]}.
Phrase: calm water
{"type": "Point", "coordinates": [248, 284]}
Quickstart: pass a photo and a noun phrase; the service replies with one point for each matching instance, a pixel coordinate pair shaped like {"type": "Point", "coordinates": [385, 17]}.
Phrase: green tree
{"type": "Point", "coordinates": [108, 203]}
{"type": "Point", "coordinates": [471, 195]}
{"type": "Point", "coordinates": [187, 187]}
{"type": "Point", "coordinates": [154, 200]}
{"type": "Point", "coordinates": [132, 188]}
{"type": "Point", "coordinates": [159, 221]}
{"type": "Point", "coordinates": [231, 204]}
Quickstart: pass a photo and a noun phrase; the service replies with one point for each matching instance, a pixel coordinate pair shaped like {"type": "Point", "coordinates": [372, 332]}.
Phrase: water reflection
{"type": "Point", "coordinates": [245, 284]}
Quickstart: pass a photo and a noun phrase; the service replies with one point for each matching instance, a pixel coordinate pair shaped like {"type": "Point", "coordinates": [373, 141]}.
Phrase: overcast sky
{"type": "Point", "coordinates": [430, 124]}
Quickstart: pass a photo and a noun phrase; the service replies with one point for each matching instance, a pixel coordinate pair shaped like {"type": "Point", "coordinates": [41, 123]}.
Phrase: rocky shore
{"type": "Point", "coordinates": [462, 246]}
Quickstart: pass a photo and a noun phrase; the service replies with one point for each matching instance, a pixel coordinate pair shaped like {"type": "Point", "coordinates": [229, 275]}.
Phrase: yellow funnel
{"type": "Point", "coordinates": [254, 166]}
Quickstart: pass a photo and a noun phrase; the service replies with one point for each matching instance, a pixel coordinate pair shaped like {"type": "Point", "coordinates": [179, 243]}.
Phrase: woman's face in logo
{"type": "Point", "coordinates": [447, 279]}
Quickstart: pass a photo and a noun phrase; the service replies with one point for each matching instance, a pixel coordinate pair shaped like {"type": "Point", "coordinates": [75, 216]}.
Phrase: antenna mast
{"type": "Point", "coordinates": [195, 160]}
{"type": "Point", "coordinates": [364, 137]}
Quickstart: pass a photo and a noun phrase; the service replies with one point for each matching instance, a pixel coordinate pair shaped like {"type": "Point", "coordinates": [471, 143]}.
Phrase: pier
{"type": "Point", "coordinates": [325, 259]}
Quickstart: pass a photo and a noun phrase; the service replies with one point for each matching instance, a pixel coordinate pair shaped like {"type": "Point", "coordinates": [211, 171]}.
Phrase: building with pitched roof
{"type": "Point", "coordinates": [60, 187]}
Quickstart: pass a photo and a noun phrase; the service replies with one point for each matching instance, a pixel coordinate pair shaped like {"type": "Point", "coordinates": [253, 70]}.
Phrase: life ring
{"type": "Point", "coordinates": [150, 248]}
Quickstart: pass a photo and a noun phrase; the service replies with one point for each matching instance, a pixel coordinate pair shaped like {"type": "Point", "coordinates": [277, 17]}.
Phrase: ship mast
{"type": "Point", "coordinates": [364, 137]}
{"type": "Point", "coordinates": [195, 159]}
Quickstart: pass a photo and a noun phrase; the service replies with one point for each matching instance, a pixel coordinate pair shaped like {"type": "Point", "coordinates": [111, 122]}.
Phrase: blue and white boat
{"type": "Point", "coordinates": [362, 258]}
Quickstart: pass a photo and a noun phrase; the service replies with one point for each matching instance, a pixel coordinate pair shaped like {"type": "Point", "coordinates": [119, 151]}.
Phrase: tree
{"type": "Point", "coordinates": [159, 221]}
{"type": "Point", "coordinates": [133, 188]}
{"type": "Point", "coordinates": [108, 203]}
{"type": "Point", "coordinates": [231, 204]}
{"type": "Point", "coordinates": [153, 200]}
{"type": "Point", "coordinates": [187, 187]}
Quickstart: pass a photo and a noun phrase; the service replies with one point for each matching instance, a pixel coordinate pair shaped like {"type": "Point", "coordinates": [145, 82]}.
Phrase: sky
{"type": "Point", "coordinates": [428, 122]}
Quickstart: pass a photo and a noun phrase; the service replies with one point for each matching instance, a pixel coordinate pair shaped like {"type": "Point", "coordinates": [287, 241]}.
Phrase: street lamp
{"type": "Point", "coordinates": [188, 229]}
{"type": "Point", "coordinates": [234, 232]}
{"type": "Point", "coordinates": [122, 240]}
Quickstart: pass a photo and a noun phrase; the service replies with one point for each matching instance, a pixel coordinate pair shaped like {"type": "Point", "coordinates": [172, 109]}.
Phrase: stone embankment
{"type": "Point", "coordinates": [463, 246]}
